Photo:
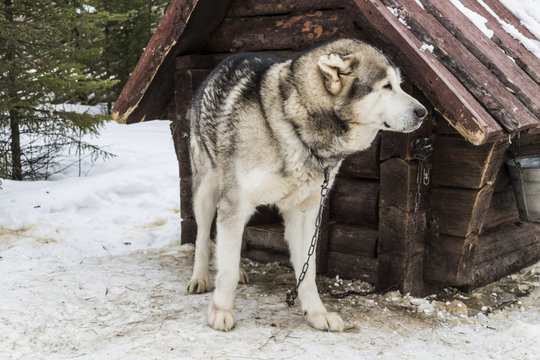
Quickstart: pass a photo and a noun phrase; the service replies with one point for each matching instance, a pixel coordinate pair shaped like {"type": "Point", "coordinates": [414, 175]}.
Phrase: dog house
{"type": "Point", "coordinates": [430, 208]}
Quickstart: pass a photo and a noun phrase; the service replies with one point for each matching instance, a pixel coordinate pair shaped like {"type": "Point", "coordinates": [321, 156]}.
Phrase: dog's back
{"type": "Point", "coordinates": [231, 87]}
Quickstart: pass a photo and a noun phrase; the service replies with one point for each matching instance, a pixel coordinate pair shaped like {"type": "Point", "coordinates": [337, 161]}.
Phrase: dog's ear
{"type": "Point", "coordinates": [332, 68]}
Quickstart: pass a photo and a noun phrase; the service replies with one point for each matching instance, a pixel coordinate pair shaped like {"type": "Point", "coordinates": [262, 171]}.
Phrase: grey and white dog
{"type": "Point", "coordinates": [260, 129]}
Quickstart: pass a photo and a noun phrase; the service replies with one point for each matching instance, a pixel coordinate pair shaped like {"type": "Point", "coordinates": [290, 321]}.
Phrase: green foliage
{"type": "Point", "coordinates": [63, 52]}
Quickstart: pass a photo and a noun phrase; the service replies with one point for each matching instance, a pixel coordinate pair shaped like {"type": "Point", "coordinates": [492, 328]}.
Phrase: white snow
{"type": "Point", "coordinates": [478, 20]}
{"type": "Point", "coordinates": [528, 11]}
{"type": "Point", "coordinates": [91, 268]}
{"type": "Point", "coordinates": [427, 47]}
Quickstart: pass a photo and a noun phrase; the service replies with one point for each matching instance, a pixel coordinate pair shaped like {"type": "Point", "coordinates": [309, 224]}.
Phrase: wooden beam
{"type": "Point", "coordinates": [245, 8]}
{"type": "Point", "coordinates": [184, 29]}
{"type": "Point", "coordinates": [449, 260]}
{"type": "Point", "coordinates": [505, 69]}
{"type": "Point", "coordinates": [487, 89]}
{"type": "Point", "coordinates": [401, 145]}
{"type": "Point", "coordinates": [363, 164]}
{"type": "Point", "coordinates": [280, 32]}
{"type": "Point", "coordinates": [266, 237]}
{"type": "Point", "coordinates": [496, 245]}
{"type": "Point", "coordinates": [502, 210]}
{"type": "Point", "coordinates": [459, 212]}
{"type": "Point", "coordinates": [352, 239]}
{"type": "Point", "coordinates": [354, 201]}
{"type": "Point", "coordinates": [441, 87]}
{"type": "Point", "coordinates": [455, 162]}
{"type": "Point", "coordinates": [399, 185]}
{"type": "Point", "coordinates": [512, 47]}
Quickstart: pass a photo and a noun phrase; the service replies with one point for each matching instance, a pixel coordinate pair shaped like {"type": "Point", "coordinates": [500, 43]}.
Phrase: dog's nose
{"type": "Point", "coordinates": [420, 112]}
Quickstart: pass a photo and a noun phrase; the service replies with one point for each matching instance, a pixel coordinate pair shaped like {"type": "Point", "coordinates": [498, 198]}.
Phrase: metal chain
{"type": "Point", "coordinates": [293, 294]}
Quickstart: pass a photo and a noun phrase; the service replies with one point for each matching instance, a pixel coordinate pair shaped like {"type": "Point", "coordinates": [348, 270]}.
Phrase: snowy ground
{"type": "Point", "coordinates": [91, 268]}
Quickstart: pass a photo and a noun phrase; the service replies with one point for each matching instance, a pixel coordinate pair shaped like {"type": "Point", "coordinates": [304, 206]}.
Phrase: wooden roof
{"type": "Point", "coordinates": [485, 87]}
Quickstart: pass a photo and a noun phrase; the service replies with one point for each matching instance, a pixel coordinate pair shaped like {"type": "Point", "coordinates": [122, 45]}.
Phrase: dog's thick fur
{"type": "Point", "coordinates": [259, 126]}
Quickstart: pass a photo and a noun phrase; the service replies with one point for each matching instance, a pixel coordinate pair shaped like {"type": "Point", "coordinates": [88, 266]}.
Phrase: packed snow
{"type": "Point", "coordinates": [91, 268]}
{"type": "Point", "coordinates": [478, 20]}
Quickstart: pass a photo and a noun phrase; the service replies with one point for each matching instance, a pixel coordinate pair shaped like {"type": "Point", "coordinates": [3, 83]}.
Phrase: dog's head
{"type": "Point", "coordinates": [365, 87]}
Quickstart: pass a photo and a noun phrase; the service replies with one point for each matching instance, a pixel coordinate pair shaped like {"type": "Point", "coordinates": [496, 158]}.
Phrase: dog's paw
{"type": "Point", "coordinates": [219, 319]}
{"type": "Point", "coordinates": [325, 321]}
{"type": "Point", "coordinates": [244, 278]}
{"type": "Point", "coordinates": [197, 286]}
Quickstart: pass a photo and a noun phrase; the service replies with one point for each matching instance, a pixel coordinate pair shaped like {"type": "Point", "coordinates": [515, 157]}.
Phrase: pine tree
{"type": "Point", "coordinates": [46, 48]}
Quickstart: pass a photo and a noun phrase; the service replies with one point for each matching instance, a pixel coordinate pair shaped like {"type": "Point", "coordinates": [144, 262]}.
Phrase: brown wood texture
{"type": "Point", "coordinates": [513, 48]}
{"type": "Point", "coordinates": [403, 274]}
{"type": "Point", "coordinates": [189, 231]}
{"type": "Point", "coordinates": [246, 8]}
{"type": "Point", "coordinates": [459, 212]}
{"type": "Point", "coordinates": [401, 233]}
{"type": "Point", "coordinates": [502, 210]}
{"type": "Point", "coordinates": [455, 162]}
{"type": "Point", "coordinates": [449, 260]}
{"type": "Point", "coordinates": [493, 246]}
{"type": "Point", "coordinates": [354, 201]}
{"type": "Point", "coordinates": [184, 29]}
{"type": "Point", "coordinates": [280, 32]}
{"type": "Point", "coordinates": [363, 164]}
{"type": "Point", "coordinates": [438, 84]}
{"type": "Point", "coordinates": [516, 81]}
{"type": "Point", "coordinates": [352, 267]}
{"type": "Point", "coordinates": [399, 185]}
{"type": "Point", "coordinates": [266, 256]}
{"type": "Point", "coordinates": [487, 89]}
{"type": "Point", "coordinates": [353, 240]}
{"type": "Point", "coordinates": [266, 237]}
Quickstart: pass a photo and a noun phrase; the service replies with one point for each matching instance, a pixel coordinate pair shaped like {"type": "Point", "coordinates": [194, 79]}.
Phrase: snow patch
{"type": "Point", "coordinates": [478, 20]}
{"type": "Point", "coordinates": [530, 44]}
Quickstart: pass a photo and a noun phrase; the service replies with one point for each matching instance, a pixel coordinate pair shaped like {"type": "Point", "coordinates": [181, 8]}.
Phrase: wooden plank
{"type": "Point", "coordinates": [512, 47]}
{"type": "Point", "coordinates": [405, 275]}
{"type": "Point", "coordinates": [266, 237]}
{"type": "Point", "coordinates": [353, 240]}
{"type": "Point", "coordinates": [401, 233]}
{"type": "Point", "coordinates": [280, 32]}
{"type": "Point", "coordinates": [244, 8]}
{"type": "Point", "coordinates": [352, 267]}
{"type": "Point", "coordinates": [183, 29]}
{"type": "Point", "coordinates": [363, 164]}
{"type": "Point", "coordinates": [505, 69]}
{"type": "Point", "coordinates": [441, 87]}
{"type": "Point", "coordinates": [509, 112]}
{"type": "Point", "coordinates": [399, 185]}
{"type": "Point", "coordinates": [401, 145]}
{"type": "Point", "coordinates": [189, 231]}
{"type": "Point", "coordinates": [459, 212]}
{"type": "Point", "coordinates": [355, 201]}
{"type": "Point", "coordinates": [496, 245]}
{"type": "Point", "coordinates": [507, 16]}
{"type": "Point", "coordinates": [449, 260]}
{"type": "Point", "coordinates": [502, 210]}
{"type": "Point", "coordinates": [455, 162]}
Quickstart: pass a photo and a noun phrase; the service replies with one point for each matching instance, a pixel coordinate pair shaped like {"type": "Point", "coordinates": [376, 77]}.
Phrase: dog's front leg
{"type": "Point", "coordinates": [231, 219]}
{"type": "Point", "coordinates": [299, 230]}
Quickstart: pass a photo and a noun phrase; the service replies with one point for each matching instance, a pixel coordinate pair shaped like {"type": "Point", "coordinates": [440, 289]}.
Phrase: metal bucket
{"type": "Point", "coordinates": [526, 183]}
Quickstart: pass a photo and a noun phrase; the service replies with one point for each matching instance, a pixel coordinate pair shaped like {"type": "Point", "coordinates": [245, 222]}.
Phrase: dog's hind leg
{"type": "Point", "coordinates": [299, 229]}
{"type": "Point", "coordinates": [204, 207]}
{"type": "Point", "coordinates": [231, 219]}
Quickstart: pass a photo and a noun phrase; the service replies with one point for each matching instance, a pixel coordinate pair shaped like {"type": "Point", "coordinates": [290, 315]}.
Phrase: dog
{"type": "Point", "coordinates": [262, 132]}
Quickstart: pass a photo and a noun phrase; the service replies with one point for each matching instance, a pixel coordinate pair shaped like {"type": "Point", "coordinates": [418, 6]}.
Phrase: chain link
{"type": "Point", "coordinates": [293, 294]}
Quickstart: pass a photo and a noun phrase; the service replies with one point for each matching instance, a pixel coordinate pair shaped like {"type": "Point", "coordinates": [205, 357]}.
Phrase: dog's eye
{"type": "Point", "coordinates": [345, 73]}
{"type": "Point", "coordinates": [388, 86]}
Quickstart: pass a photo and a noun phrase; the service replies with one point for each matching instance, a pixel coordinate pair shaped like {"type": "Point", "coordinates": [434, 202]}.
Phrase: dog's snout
{"type": "Point", "coordinates": [420, 112]}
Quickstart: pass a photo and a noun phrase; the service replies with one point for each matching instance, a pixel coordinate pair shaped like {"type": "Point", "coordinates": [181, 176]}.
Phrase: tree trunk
{"type": "Point", "coordinates": [16, 164]}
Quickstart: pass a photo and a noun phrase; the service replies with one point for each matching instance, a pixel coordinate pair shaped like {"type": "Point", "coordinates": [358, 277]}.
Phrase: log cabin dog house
{"type": "Point", "coordinates": [430, 208]}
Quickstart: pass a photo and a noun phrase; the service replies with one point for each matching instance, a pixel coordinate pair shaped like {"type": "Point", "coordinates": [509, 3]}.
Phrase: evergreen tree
{"type": "Point", "coordinates": [45, 51]}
